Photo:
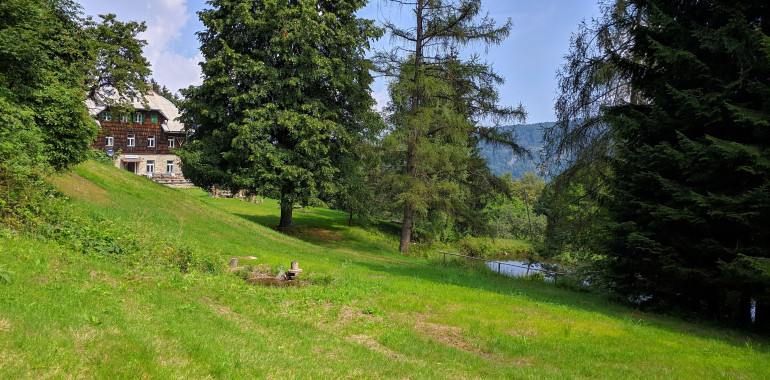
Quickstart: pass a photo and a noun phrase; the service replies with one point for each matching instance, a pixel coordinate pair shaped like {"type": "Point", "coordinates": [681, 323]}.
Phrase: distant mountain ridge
{"type": "Point", "coordinates": [502, 160]}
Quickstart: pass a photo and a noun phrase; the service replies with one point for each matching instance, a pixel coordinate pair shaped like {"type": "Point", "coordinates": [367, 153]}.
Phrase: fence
{"type": "Point", "coordinates": [529, 268]}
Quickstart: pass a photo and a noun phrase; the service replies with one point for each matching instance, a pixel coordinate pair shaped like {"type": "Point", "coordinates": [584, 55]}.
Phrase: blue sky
{"type": "Point", "coordinates": [528, 59]}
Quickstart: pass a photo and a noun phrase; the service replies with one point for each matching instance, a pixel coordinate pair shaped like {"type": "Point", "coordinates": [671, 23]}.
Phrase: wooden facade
{"type": "Point", "coordinates": [121, 131]}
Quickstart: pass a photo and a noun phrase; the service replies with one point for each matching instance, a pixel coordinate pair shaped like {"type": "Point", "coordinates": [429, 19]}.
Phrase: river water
{"type": "Point", "coordinates": [517, 268]}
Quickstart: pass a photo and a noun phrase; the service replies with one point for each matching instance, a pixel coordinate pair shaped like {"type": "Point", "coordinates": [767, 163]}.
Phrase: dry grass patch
{"type": "Point", "coordinates": [374, 345]}
{"type": "Point", "coordinates": [5, 326]}
{"type": "Point", "coordinates": [453, 336]}
{"type": "Point", "coordinates": [346, 315]}
{"type": "Point", "coordinates": [75, 186]}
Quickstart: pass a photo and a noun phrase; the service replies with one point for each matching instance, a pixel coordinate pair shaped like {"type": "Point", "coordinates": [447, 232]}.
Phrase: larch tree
{"type": "Point", "coordinates": [285, 95]}
{"type": "Point", "coordinates": [438, 104]}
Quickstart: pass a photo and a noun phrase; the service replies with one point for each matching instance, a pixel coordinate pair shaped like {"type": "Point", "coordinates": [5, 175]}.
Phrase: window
{"type": "Point", "coordinates": [124, 118]}
{"type": "Point", "coordinates": [151, 141]}
{"type": "Point", "coordinates": [138, 117]}
{"type": "Point", "coordinates": [131, 140]}
{"type": "Point", "coordinates": [154, 119]}
{"type": "Point", "coordinates": [110, 141]}
{"type": "Point", "coordinates": [171, 142]}
{"type": "Point", "coordinates": [170, 166]}
{"type": "Point", "coordinates": [150, 167]}
{"type": "Point", "coordinates": [106, 116]}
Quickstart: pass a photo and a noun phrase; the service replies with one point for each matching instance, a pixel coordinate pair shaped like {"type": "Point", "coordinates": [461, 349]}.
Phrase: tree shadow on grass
{"type": "Point", "coordinates": [477, 276]}
{"type": "Point", "coordinates": [325, 221]}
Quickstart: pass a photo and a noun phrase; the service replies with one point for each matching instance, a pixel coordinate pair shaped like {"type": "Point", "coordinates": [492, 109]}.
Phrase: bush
{"type": "Point", "coordinates": [187, 259]}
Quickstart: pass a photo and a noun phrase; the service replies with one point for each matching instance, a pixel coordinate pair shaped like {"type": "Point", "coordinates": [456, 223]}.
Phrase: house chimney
{"type": "Point", "coordinates": [150, 91]}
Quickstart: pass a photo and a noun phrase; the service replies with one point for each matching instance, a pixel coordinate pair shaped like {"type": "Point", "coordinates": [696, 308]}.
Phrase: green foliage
{"type": "Point", "coordinates": [513, 215]}
{"type": "Point", "coordinates": [44, 55]}
{"type": "Point", "coordinates": [690, 192]}
{"type": "Point", "coordinates": [433, 166]}
{"type": "Point", "coordinates": [535, 276]}
{"type": "Point", "coordinates": [284, 97]}
{"type": "Point", "coordinates": [5, 276]}
{"type": "Point", "coordinates": [118, 62]}
{"type": "Point", "coordinates": [576, 220]}
{"type": "Point", "coordinates": [47, 52]}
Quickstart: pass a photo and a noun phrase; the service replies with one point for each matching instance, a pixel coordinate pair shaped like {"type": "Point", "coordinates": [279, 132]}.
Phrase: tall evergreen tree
{"type": "Point", "coordinates": [438, 103]}
{"type": "Point", "coordinates": [285, 93]}
{"type": "Point", "coordinates": [691, 187]}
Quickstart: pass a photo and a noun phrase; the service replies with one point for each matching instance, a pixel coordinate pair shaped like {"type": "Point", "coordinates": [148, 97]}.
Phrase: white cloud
{"type": "Point", "coordinates": [176, 71]}
{"type": "Point", "coordinates": [164, 26]}
{"type": "Point", "coordinates": [165, 20]}
{"type": "Point", "coordinates": [381, 97]}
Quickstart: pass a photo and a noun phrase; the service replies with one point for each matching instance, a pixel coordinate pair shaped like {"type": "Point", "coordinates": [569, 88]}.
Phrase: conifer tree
{"type": "Point", "coordinates": [438, 103]}
{"type": "Point", "coordinates": [285, 94]}
{"type": "Point", "coordinates": [691, 186]}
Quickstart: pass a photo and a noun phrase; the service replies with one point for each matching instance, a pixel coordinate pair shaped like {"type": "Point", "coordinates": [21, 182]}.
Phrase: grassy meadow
{"type": "Point", "coordinates": [361, 310]}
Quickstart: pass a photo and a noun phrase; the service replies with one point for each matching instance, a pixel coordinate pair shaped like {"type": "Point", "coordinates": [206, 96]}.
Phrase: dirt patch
{"type": "Point", "coordinates": [98, 276]}
{"type": "Point", "coordinates": [42, 279]}
{"type": "Point", "coordinates": [328, 353]}
{"type": "Point", "coordinates": [240, 320]}
{"type": "Point", "coordinates": [321, 234]}
{"type": "Point", "coordinates": [82, 336]}
{"type": "Point", "coordinates": [374, 345]}
{"type": "Point", "coordinates": [346, 315]}
{"type": "Point", "coordinates": [452, 336]}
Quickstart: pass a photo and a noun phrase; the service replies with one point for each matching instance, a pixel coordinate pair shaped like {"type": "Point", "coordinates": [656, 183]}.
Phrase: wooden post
{"type": "Point", "coordinates": [528, 265]}
{"type": "Point", "coordinates": [498, 267]}
{"type": "Point", "coordinates": [444, 257]}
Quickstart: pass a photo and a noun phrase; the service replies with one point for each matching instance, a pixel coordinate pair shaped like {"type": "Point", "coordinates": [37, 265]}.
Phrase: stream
{"type": "Point", "coordinates": [517, 268]}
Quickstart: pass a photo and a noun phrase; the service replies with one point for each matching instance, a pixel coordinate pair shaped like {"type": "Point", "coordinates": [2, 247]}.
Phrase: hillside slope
{"type": "Point", "coordinates": [362, 311]}
{"type": "Point", "coordinates": [502, 160]}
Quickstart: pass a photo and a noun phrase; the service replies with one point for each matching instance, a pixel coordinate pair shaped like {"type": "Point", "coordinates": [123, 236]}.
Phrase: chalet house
{"type": "Point", "coordinates": [143, 141]}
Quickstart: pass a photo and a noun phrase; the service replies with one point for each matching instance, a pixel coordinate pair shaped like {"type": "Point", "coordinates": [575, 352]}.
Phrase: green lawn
{"type": "Point", "coordinates": [363, 311]}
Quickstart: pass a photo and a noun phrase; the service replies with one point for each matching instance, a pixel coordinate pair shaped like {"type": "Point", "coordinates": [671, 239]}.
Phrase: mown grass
{"type": "Point", "coordinates": [364, 311]}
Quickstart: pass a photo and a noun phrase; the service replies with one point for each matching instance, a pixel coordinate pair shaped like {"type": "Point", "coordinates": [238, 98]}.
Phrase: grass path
{"type": "Point", "coordinates": [364, 312]}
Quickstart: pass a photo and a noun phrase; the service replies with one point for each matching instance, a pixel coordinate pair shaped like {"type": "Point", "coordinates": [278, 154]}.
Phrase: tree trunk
{"type": "Point", "coordinates": [526, 203]}
{"type": "Point", "coordinates": [350, 218]}
{"type": "Point", "coordinates": [743, 314]}
{"type": "Point", "coordinates": [406, 228]}
{"type": "Point", "coordinates": [286, 214]}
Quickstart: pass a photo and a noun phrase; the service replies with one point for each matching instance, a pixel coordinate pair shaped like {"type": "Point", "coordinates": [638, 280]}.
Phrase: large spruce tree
{"type": "Point", "coordinates": [285, 88]}
{"type": "Point", "coordinates": [691, 188]}
{"type": "Point", "coordinates": [439, 102]}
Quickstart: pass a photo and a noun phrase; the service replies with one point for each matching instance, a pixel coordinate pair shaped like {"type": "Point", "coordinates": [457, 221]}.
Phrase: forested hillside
{"type": "Point", "coordinates": [503, 160]}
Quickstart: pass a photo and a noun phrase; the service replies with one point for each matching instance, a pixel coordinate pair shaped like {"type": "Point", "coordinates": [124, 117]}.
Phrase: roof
{"type": "Point", "coordinates": [154, 101]}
